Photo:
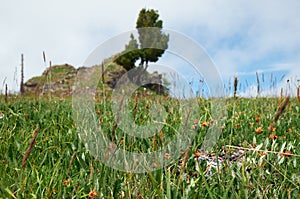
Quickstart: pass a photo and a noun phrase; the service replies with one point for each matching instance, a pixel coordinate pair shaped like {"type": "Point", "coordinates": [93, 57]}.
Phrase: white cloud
{"type": "Point", "coordinates": [236, 34]}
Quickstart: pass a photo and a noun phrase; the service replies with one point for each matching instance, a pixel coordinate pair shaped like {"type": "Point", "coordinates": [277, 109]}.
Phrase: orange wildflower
{"type": "Point", "coordinates": [167, 156]}
{"type": "Point", "coordinates": [98, 112]}
{"type": "Point", "coordinates": [272, 128]}
{"type": "Point", "coordinates": [237, 125]}
{"type": "Point", "coordinates": [197, 154]}
{"type": "Point", "coordinates": [273, 137]}
{"type": "Point", "coordinates": [262, 153]}
{"type": "Point", "coordinates": [289, 130]}
{"type": "Point", "coordinates": [66, 182]}
{"type": "Point", "coordinates": [259, 130]}
{"type": "Point", "coordinates": [286, 153]}
{"type": "Point", "coordinates": [257, 119]}
{"type": "Point", "coordinates": [194, 127]}
{"type": "Point", "coordinates": [205, 124]}
{"type": "Point", "coordinates": [92, 194]}
{"type": "Point", "coordinates": [196, 122]}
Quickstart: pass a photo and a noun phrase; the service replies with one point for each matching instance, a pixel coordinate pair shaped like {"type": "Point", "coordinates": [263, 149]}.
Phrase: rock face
{"type": "Point", "coordinates": [59, 79]}
{"type": "Point", "coordinates": [113, 77]}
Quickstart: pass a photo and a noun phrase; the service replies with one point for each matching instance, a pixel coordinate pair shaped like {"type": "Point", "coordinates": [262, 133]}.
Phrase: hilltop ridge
{"type": "Point", "coordinates": [59, 79]}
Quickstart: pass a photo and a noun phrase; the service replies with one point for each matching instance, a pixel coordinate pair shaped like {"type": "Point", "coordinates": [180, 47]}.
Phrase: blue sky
{"type": "Point", "coordinates": [241, 37]}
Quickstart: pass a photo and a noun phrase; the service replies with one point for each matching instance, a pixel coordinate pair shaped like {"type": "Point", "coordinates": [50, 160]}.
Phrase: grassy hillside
{"type": "Point", "coordinates": [254, 161]}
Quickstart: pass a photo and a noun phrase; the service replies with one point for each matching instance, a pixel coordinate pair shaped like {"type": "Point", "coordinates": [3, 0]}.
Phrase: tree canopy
{"type": "Point", "coordinates": [130, 55]}
{"type": "Point", "coordinates": [152, 41]}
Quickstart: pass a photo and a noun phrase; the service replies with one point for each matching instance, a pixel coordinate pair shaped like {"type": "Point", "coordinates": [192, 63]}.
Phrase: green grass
{"type": "Point", "coordinates": [59, 69]}
{"type": "Point", "coordinates": [59, 166]}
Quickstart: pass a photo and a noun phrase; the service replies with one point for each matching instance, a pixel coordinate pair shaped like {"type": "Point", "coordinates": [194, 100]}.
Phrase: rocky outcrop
{"type": "Point", "coordinates": [60, 79]}
{"type": "Point", "coordinates": [56, 79]}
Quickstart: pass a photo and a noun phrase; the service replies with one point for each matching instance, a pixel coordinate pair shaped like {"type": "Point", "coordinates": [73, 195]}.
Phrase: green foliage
{"type": "Point", "coordinates": [130, 55]}
{"type": "Point", "coordinates": [152, 41]}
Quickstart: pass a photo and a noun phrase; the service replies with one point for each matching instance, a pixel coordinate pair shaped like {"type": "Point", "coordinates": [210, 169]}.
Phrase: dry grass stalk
{"type": "Point", "coordinates": [280, 97]}
{"type": "Point", "coordinates": [280, 111]}
{"type": "Point", "coordinates": [48, 75]}
{"type": "Point", "coordinates": [281, 108]}
{"type": "Point", "coordinates": [185, 159]}
{"type": "Point", "coordinates": [235, 84]}
{"type": "Point", "coordinates": [258, 83]}
{"type": "Point", "coordinates": [298, 93]}
{"type": "Point", "coordinates": [183, 164]}
{"type": "Point", "coordinates": [71, 161]}
{"type": "Point", "coordinates": [271, 81]}
{"type": "Point", "coordinates": [6, 93]}
{"type": "Point", "coordinates": [265, 151]}
{"type": "Point", "coordinates": [118, 117]}
{"type": "Point", "coordinates": [44, 56]}
{"type": "Point", "coordinates": [154, 143]}
{"type": "Point", "coordinates": [22, 75]}
{"type": "Point", "coordinates": [36, 131]}
{"type": "Point", "coordinates": [186, 153]}
{"type": "Point", "coordinates": [102, 72]}
{"type": "Point", "coordinates": [136, 98]}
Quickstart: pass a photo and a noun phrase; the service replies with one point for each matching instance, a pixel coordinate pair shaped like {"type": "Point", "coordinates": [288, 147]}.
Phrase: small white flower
{"type": "Point", "coordinates": [233, 174]}
{"type": "Point", "coordinates": [1, 115]}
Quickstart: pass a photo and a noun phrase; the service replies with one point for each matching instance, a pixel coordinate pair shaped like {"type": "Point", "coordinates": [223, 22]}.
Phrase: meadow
{"type": "Point", "coordinates": [256, 156]}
